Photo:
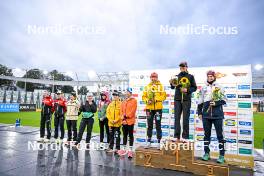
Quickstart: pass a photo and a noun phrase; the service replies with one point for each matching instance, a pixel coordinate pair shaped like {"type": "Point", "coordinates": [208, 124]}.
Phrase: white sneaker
{"type": "Point", "coordinates": [46, 140]}
{"type": "Point", "coordinates": [148, 145]}
{"type": "Point", "coordinates": [40, 140]}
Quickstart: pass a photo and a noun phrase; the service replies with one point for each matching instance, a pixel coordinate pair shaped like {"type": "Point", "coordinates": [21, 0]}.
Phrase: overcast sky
{"type": "Point", "coordinates": [126, 34]}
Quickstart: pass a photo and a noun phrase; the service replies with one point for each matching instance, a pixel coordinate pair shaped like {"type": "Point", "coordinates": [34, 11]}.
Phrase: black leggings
{"type": "Point", "coordinates": [128, 130]}
{"type": "Point", "coordinates": [45, 120]}
{"type": "Point", "coordinates": [114, 134]}
{"type": "Point", "coordinates": [104, 125]}
{"type": "Point", "coordinates": [59, 122]}
{"type": "Point", "coordinates": [89, 123]}
{"type": "Point", "coordinates": [72, 127]}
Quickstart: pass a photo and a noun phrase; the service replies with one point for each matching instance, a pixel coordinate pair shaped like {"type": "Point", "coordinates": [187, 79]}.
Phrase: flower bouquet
{"type": "Point", "coordinates": [185, 83]}
{"type": "Point", "coordinates": [216, 96]}
{"type": "Point", "coordinates": [175, 80]}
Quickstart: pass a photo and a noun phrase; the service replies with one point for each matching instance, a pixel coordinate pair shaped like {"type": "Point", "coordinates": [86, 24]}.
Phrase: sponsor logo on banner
{"type": "Point", "coordinates": [172, 127]}
{"type": "Point", "coordinates": [244, 96]}
{"type": "Point", "coordinates": [244, 114]}
{"type": "Point", "coordinates": [6, 107]}
{"type": "Point", "coordinates": [142, 125]}
{"type": "Point", "coordinates": [220, 75]}
{"type": "Point", "coordinates": [199, 137]}
{"type": "Point", "coordinates": [230, 140]}
{"type": "Point", "coordinates": [199, 129]}
{"type": "Point", "coordinates": [245, 151]}
{"type": "Point", "coordinates": [135, 95]}
{"type": "Point", "coordinates": [165, 103]}
{"type": "Point", "coordinates": [166, 111]}
{"type": "Point", "coordinates": [230, 105]}
{"type": "Point", "coordinates": [141, 102]}
{"type": "Point", "coordinates": [192, 111]}
{"type": "Point", "coordinates": [230, 96]}
{"type": "Point", "coordinates": [245, 132]}
{"type": "Point", "coordinates": [244, 87]}
{"type": "Point", "coordinates": [191, 120]}
{"type": "Point", "coordinates": [165, 126]}
{"type": "Point", "coordinates": [27, 107]}
{"type": "Point", "coordinates": [142, 117]}
{"type": "Point", "coordinates": [233, 114]}
{"type": "Point", "coordinates": [242, 123]}
{"type": "Point", "coordinates": [230, 88]}
{"type": "Point", "coordinates": [244, 105]}
{"type": "Point", "coordinates": [140, 140]}
{"type": "Point", "coordinates": [230, 122]}
{"type": "Point", "coordinates": [241, 141]}
{"type": "Point", "coordinates": [240, 74]}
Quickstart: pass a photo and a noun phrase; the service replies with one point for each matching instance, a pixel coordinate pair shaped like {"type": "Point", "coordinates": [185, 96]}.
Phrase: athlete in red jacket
{"type": "Point", "coordinates": [46, 113]}
{"type": "Point", "coordinates": [59, 111]}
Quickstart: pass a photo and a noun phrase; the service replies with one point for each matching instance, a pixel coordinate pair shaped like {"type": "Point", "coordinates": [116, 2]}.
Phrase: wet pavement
{"type": "Point", "coordinates": [19, 158]}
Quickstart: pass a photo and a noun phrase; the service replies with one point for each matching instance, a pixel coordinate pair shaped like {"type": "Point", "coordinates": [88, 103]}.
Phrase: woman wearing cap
{"type": "Point", "coordinates": [182, 101]}
{"type": "Point", "coordinates": [128, 112]}
{"type": "Point", "coordinates": [103, 121]}
{"type": "Point", "coordinates": [72, 113]}
{"type": "Point", "coordinates": [153, 96]}
{"type": "Point", "coordinates": [88, 109]}
{"type": "Point", "coordinates": [210, 111]}
{"type": "Point", "coordinates": [113, 114]}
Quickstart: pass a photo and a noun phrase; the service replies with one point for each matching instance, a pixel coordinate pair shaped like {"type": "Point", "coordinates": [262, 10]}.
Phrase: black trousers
{"type": "Point", "coordinates": [128, 131]}
{"type": "Point", "coordinates": [114, 134]}
{"type": "Point", "coordinates": [181, 107]}
{"type": "Point", "coordinates": [104, 125]}
{"type": "Point", "coordinates": [86, 122]}
{"type": "Point", "coordinates": [152, 115]}
{"type": "Point", "coordinates": [207, 125]}
{"type": "Point", "coordinates": [59, 122]}
{"type": "Point", "coordinates": [72, 128]}
{"type": "Point", "coordinates": [45, 121]}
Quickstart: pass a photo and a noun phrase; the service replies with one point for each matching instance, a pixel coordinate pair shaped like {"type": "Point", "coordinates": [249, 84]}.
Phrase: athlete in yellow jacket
{"type": "Point", "coordinates": [153, 96]}
{"type": "Point", "coordinates": [113, 114]}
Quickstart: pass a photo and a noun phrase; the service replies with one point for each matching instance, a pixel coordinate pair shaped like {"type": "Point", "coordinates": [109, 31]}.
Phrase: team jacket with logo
{"type": "Point", "coordinates": [47, 106]}
{"type": "Point", "coordinates": [60, 106]}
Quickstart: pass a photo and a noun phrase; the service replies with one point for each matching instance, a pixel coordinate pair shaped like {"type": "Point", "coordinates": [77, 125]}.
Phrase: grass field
{"type": "Point", "coordinates": [33, 119]}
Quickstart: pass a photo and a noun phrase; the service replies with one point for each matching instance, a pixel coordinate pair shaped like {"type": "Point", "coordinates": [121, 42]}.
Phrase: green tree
{"type": "Point", "coordinates": [34, 74]}
{"type": "Point", "coordinates": [5, 71]}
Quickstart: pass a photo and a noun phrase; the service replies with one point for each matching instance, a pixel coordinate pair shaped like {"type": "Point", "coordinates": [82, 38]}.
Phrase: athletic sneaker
{"type": "Point", "coordinates": [130, 154]}
{"type": "Point", "coordinates": [206, 157]}
{"type": "Point", "coordinates": [40, 140]}
{"type": "Point", "coordinates": [221, 159]}
{"type": "Point", "coordinates": [109, 150]}
{"type": "Point", "coordinates": [148, 145]}
{"type": "Point", "coordinates": [121, 152]}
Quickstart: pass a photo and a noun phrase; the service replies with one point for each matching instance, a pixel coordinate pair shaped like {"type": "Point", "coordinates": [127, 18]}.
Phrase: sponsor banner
{"type": "Point", "coordinates": [8, 107]}
{"type": "Point", "coordinates": [242, 132]}
{"type": "Point", "coordinates": [238, 127]}
{"type": "Point", "coordinates": [230, 122]}
{"type": "Point", "coordinates": [245, 123]}
{"type": "Point", "coordinates": [244, 114]}
{"type": "Point", "coordinates": [231, 96]}
{"type": "Point", "coordinates": [244, 105]}
{"type": "Point", "coordinates": [244, 87]}
{"type": "Point", "coordinates": [230, 105]}
{"type": "Point", "coordinates": [27, 107]}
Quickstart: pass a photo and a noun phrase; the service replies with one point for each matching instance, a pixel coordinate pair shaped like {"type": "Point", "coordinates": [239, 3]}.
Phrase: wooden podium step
{"type": "Point", "coordinates": [180, 158]}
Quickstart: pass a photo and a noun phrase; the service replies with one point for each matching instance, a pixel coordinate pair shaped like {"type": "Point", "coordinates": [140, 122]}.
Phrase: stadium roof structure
{"type": "Point", "coordinates": [100, 78]}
